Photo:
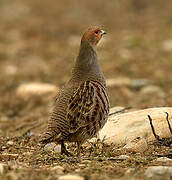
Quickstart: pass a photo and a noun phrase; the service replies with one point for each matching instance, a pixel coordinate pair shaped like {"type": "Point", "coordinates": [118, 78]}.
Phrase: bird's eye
{"type": "Point", "coordinates": [96, 32]}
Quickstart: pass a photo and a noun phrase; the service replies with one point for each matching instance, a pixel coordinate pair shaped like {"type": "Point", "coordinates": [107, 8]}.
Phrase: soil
{"type": "Point", "coordinates": [39, 42]}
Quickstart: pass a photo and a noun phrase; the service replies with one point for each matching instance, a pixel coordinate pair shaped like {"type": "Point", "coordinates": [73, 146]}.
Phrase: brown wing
{"type": "Point", "coordinates": [89, 100]}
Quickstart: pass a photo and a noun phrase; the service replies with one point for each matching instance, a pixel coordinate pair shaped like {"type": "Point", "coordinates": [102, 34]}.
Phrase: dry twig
{"type": "Point", "coordinates": [163, 141]}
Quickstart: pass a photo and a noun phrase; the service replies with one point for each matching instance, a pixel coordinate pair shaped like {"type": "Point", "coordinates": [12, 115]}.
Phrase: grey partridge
{"type": "Point", "coordinates": [82, 106]}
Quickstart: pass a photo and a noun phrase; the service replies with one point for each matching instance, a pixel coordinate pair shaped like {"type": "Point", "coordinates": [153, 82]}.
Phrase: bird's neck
{"type": "Point", "coordinates": [86, 65]}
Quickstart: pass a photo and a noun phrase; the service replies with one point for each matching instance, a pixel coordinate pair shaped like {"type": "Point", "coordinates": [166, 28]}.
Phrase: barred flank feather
{"type": "Point", "coordinates": [88, 107]}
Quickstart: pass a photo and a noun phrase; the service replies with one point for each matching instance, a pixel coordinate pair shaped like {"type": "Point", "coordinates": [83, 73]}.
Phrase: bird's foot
{"type": "Point", "coordinates": [67, 153]}
{"type": "Point", "coordinates": [64, 150]}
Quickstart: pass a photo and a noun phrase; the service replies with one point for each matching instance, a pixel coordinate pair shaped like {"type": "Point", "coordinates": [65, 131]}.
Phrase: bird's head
{"type": "Point", "coordinates": [93, 35]}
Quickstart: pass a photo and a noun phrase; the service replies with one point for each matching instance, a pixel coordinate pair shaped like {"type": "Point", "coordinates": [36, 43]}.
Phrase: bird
{"type": "Point", "coordinates": [82, 105]}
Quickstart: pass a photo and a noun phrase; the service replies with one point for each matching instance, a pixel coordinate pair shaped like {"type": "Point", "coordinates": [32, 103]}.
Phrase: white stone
{"type": "Point", "coordinates": [70, 177]}
{"type": "Point", "coordinates": [158, 172]}
{"type": "Point", "coordinates": [36, 89]}
{"type": "Point", "coordinates": [123, 157]}
{"type": "Point", "coordinates": [57, 149]}
{"type": "Point", "coordinates": [126, 127]}
{"type": "Point", "coordinates": [49, 147]}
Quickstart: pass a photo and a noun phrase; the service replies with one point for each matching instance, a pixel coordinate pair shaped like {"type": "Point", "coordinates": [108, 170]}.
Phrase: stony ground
{"type": "Point", "coordinates": [39, 41]}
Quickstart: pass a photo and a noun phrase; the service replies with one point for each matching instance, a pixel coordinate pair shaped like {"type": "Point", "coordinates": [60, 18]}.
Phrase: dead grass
{"type": "Point", "coordinates": [35, 46]}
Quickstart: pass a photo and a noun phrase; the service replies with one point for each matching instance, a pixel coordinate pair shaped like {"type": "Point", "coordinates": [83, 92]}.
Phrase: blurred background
{"type": "Point", "coordinates": [39, 41]}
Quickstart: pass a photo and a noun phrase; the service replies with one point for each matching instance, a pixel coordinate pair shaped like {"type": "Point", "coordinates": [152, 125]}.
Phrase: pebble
{"type": "Point", "coordinates": [58, 169]}
{"type": "Point", "coordinates": [158, 172]}
{"type": "Point", "coordinates": [163, 159]}
{"type": "Point", "coordinates": [70, 177]}
{"type": "Point", "coordinates": [10, 143]}
{"type": "Point", "coordinates": [86, 161]}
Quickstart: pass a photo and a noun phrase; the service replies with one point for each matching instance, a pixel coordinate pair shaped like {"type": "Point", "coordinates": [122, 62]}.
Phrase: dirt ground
{"type": "Point", "coordinates": [39, 41]}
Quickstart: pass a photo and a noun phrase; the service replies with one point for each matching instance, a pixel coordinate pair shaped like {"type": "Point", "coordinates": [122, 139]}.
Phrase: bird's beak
{"type": "Point", "coordinates": [103, 32]}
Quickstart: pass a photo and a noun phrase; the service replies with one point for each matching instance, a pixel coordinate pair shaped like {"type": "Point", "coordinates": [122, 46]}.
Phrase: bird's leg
{"type": "Point", "coordinates": [79, 149]}
{"type": "Point", "coordinates": [64, 150]}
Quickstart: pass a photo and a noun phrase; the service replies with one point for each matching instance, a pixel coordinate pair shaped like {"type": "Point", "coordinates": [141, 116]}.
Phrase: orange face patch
{"type": "Point", "coordinates": [94, 36]}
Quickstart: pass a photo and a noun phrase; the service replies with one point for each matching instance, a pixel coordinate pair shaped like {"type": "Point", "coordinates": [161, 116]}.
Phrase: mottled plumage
{"type": "Point", "coordinates": [82, 106]}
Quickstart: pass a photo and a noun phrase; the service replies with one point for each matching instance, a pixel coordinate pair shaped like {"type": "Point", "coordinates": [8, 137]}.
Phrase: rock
{"type": "Point", "coordinates": [49, 146]}
{"type": "Point", "coordinates": [70, 177]}
{"type": "Point", "coordinates": [10, 143]}
{"type": "Point", "coordinates": [1, 168]}
{"type": "Point", "coordinates": [163, 159]}
{"type": "Point", "coordinates": [152, 90]}
{"type": "Point", "coordinates": [118, 82]}
{"type": "Point", "coordinates": [123, 157]}
{"type": "Point", "coordinates": [36, 89]}
{"type": "Point", "coordinates": [167, 45]}
{"type": "Point", "coordinates": [127, 82]}
{"type": "Point", "coordinates": [151, 96]}
{"type": "Point", "coordinates": [158, 172]}
{"type": "Point", "coordinates": [127, 127]}
{"type": "Point", "coordinates": [58, 169]}
{"type": "Point", "coordinates": [139, 83]}
{"type": "Point", "coordinates": [10, 70]}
